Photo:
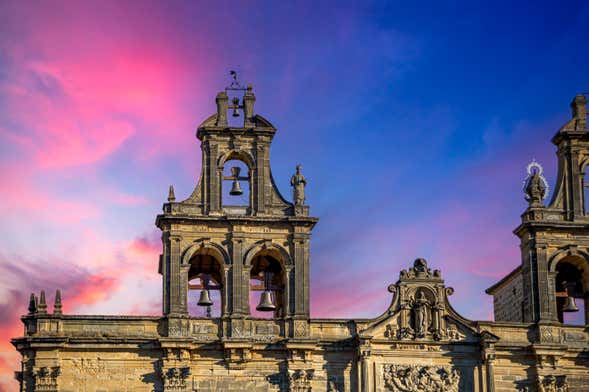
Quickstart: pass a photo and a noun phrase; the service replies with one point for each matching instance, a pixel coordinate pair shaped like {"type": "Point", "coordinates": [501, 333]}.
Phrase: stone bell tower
{"type": "Point", "coordinates": [236, 233]}
{"type": "Point", "coordinates": [553, 277]}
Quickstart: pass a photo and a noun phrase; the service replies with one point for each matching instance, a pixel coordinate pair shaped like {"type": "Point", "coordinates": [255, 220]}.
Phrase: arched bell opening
{"type": "Point", "coordinates": [236, 187]}
{"type": "Point", "coordinates": [267, 285]}
{"type": "Point", "coordinates": [571, 284]}
{"type": "Point", "coordinates": [205, 283]}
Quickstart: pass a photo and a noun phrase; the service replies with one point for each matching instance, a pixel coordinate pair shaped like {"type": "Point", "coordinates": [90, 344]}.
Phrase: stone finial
{"type": "Point", "coordinates": [222, 106]}
{"type": "Point", "coordinates": [42, 307]}
{"type": "Point", "coordinates": [579, 106]}
{"type": "Point", "coordinates": [171, 194]}
{"type": "Point", "coordinates": [535, 185]}
{"type": "Point", "coordinates": [57, 308]}
{"type": "Point", "coordinates": [32, 304]}
{"type": "Point", "coordinates": [248, 105]}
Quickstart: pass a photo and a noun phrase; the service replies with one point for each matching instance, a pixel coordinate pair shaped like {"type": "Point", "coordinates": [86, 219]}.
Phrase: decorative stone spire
{"type": "Point", "coordinates": [32, 304]}
{"type": "Point", "coordinates": [57, 308]}
{"type": "Point", "coordinates": [42, 308]}
{"type": "Point", "coordinates": [248, 106]}
{"type": "Point", "coordinates": [171, 194]}
{"type": "Point", "coordinates": [579, 106]}
{"type": "Point", "coordinates": [535, 185]}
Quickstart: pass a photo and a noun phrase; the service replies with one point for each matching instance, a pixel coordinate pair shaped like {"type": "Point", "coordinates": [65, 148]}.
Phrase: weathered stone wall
{"type": "Point", "coordinates": [507, 300]}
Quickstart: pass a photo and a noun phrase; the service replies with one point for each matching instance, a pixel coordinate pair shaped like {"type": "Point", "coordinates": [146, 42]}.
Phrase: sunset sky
{"type": "Point", "coordinates": [413, 124]}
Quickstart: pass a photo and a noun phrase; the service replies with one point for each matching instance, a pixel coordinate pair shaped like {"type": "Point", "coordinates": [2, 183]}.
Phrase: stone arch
{"type": "Point", "coordinates": [567, 252]}
{"type": "Point", "coordinates": [265, 257]}
{"type": "Point", "coordinates": [256, 248]}
{"type": "Point", "coordinates": [241, 155]}
{"type": "Point", "coordinates": [567, 266]}
{"type": "Point", "coordinates": [429, 292]}
{"type": "Point", "coordinates": [209, 248]}
{"type": "Point", "coordinates": [206, 260]}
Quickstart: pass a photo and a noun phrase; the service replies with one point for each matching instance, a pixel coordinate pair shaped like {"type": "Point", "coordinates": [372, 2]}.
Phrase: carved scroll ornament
{"type": "Point", "coordinates": [414, 378]}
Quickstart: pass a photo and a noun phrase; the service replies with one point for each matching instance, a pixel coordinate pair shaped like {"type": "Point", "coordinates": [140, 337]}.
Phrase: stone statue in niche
{"type": "Point", "coordinates": [298, 182]}
{"type": "Point", "coordinates": [421, 315]}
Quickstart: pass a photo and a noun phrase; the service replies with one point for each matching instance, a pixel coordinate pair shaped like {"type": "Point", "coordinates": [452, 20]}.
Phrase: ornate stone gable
{"type": "Point", "coordinates": [420, 310]}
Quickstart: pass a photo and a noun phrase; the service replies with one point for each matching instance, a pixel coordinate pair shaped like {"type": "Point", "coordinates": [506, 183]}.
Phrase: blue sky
{"type": "Point", "coordinates": [413, 123]}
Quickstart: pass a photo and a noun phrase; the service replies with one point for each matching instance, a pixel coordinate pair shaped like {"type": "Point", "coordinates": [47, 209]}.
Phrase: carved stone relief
{"type": "Point", "coordinates": [300, 380]}
{"type": "Point", "coordinates": [46, 378]}
{"type": "Point", "coordinates": [301, 328]}
{"type": "Point", "coordinates": [174, 379]}
{"type": "Point", "coordinates": [552, 384]}
{"type": "Point", "coordinates": [414, 378]}
{"type": "Point", "coordinates": [453, 334]}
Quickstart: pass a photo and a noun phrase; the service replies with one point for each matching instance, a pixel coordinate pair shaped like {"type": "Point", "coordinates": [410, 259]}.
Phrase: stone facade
{"type": "Point", "coordinates": [419, 343]}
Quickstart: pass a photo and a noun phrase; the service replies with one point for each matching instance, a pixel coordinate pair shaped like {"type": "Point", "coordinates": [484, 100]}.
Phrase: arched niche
{"type": "Point", "coordinates": [268, 270]}
{"type": "Point", "coordinates": [570, 273]}
{"type": "Point", "coordinates": [421, 319]}
{"type": "Point", "coordinates": [205, 271]}
{"type": "Point", "coordinates": [236, 181]}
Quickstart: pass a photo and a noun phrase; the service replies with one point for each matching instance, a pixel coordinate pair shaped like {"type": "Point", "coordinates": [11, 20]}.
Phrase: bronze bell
{"type": "Point", "coordinates": [235, 106]}
{"type": "Point", "coordinates": [205, 298]}
{"type": "Point", "coordinates": [266, 303]}
{"type": "Point", "coordinates": [236, 187]}
{"type": "Point", "coordinates": [570, 305]}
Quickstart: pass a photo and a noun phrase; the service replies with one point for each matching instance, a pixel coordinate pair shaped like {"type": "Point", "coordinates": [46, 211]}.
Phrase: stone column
{"type": "Point", "coordinates": [488, 357]}
{"type": "Point", "coordinates": [301, 271]}
{"type": "Point", "coordinates": [237, 282]}
{"type": "Point", "coordinates": [287, 288]}
{"type": "Point", "coordinates": [545, 290]}
{"type": "Point", "coordinates": [490, 367]}
{"type": "Point", "coordinates": [177, 303]}
{"type": "Point", "coordinates": [214, 183]}
{"type": "Point", "coordinates": [262, 166]}
{"type": "Point", "coordinates": [225, 291]}
{"type": "Point", "coordinates": [365, 374]}
{"type": "Point", "coordinates": [577, 185]}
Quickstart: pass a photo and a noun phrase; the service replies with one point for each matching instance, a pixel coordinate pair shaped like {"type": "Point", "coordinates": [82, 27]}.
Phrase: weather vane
{"type": "Point", "coordinates": [234, 85]}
